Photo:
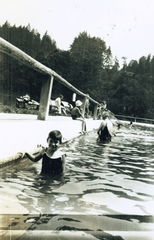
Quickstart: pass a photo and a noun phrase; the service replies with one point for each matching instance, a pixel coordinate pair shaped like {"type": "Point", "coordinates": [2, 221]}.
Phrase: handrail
{"type": "Point", "coordinates": [24, 58]}
{"type": "Point", "coordinates": [135, 118]}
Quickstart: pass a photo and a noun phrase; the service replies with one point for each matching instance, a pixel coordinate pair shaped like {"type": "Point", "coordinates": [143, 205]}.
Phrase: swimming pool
{"type": "Point", "coordinates": [106, 186]}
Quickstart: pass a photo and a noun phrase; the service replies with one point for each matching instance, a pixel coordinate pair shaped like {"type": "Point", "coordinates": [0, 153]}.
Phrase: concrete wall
{"type": "Point", "coordinates": [20, 133]}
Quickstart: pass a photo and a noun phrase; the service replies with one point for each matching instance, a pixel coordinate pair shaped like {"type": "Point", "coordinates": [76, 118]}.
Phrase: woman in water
{"type": "Point", "coordinates": [105, 130]}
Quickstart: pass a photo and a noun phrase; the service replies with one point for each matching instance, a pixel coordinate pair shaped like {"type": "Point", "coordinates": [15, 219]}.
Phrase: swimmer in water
{"type": "Point", "coordinates": [53, 161]}
{"type": "Point", "coordinates": [105, 130]}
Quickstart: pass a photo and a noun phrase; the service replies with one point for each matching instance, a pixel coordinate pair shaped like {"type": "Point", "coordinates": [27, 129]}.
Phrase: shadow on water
{"type": "Point", "coordinates": [106, 187]}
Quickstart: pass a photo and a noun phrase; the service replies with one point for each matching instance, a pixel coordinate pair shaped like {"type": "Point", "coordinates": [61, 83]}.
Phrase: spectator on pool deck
{"type": "Point", "coordinates": [103, 108]}
{"type": "Point", "coordinates": [58, 103]}
{"type": "Point", "coordinates": [26, 97]}
{"type": "Point", "coordinates": [104, 105]}
{"type": "Point", "coordinates": [53, 161]}
{"type": "Point", "coordinates": [105, 130]}
{"type": "Point", "coordinates": [76, 114]}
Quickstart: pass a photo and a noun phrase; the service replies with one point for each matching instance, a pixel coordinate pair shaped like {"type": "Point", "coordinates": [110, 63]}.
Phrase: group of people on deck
{"type": "Point", "coordinates": [53, 160]}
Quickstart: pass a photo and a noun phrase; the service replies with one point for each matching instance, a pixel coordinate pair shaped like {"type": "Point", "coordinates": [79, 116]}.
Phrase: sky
{"type": "Point", "coordinates": [127, 26]}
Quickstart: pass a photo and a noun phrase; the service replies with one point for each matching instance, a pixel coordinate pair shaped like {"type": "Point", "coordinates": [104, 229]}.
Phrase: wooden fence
{"type": "Point", "coordinates": [47, 84]}
{"type": "Point", "coordinates": [135, 119]}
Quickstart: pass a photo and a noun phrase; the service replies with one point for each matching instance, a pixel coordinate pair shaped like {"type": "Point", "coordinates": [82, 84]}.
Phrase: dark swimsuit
{"type": "Point", "coordinates": [74, 117]}
{"type": "Point", "coordinates": [105, 135]}
{"type": "Point", "coordinates": [51, 165]}
{"type": "Point", "coordinates": [75, 113]}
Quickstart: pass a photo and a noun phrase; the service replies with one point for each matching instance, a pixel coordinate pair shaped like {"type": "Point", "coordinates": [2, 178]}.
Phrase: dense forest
{"type": "Point", "coordinates": [88, 65]}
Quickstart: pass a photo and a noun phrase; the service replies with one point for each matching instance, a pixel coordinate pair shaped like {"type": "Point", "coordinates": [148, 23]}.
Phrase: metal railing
{"type": "Point", "coordinates": [135, 119]}
{"type": "Point", "coordinates": [47, 84]}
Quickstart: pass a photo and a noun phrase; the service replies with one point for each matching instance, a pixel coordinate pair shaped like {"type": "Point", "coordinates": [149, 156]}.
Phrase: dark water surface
{"type": "Point", "coordinates": [113, 181]}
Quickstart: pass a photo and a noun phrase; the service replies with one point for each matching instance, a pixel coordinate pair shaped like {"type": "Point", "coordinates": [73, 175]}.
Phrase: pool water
{"type": "Point", "coordinates": [105, 178]}
{"type": "Point", "coordinates": [101, 179]}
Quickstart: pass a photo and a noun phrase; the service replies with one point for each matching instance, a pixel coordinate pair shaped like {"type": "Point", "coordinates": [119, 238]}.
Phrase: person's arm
{"type": "Point", "coordinates": [101, 127]}
{"type": "Point", "coordinates": [37, 157]}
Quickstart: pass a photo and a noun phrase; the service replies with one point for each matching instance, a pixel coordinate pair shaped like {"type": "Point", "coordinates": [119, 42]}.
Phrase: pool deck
{"type": "Point", "coordinates": [23, 133]}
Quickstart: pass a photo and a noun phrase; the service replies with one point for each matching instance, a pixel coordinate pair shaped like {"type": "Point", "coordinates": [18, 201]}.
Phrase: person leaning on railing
{"type": "Point", "coordinates": [76, 114]}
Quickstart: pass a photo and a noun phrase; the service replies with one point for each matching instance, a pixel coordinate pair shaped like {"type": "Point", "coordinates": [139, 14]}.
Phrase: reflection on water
{"type": "Point", "coordinates": [109, 179]}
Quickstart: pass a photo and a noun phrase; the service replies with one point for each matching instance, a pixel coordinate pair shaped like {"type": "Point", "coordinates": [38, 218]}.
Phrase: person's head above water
{"type": "Point", "coordinates": [55, 135]}
{"type": "Point", "coordinates": [105, 115]}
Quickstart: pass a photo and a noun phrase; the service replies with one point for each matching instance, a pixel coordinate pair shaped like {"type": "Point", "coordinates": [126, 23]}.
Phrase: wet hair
{"type": "Point", "coordinates": [105, 115]}
{"type": "Point", "coordinates": [55, 135]}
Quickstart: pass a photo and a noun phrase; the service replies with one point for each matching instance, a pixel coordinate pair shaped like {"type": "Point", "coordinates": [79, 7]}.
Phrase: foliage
{"type": "Point", "coordinates": [89, 59]}
{"type": "Point", "coordinates": [88, 65]}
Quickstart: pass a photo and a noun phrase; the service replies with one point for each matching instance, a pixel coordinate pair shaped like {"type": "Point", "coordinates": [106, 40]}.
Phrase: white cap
{"type": "Point", "coordinates": [78, 103]}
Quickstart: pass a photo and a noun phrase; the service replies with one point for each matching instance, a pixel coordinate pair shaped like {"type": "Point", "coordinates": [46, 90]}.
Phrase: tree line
{"type": "Point", "coordinates": [88, 65]}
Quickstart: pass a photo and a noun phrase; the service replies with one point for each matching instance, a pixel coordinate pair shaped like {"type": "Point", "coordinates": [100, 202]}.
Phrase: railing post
{"type": "Point", "coordinates": [25, 59]}
{"type": "Point", "coordinates": [45, 98]}
{"type": "Point", "coordinates": [95, 112]}
{"type": "Point", "coordinates": [84, 105]}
